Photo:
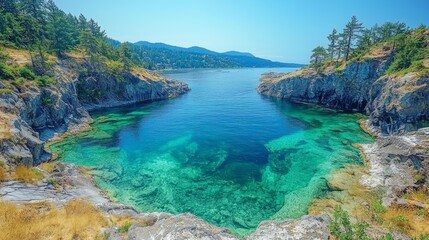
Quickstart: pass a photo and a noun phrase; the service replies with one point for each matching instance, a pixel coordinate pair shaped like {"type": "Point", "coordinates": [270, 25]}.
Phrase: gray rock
{"type": "Point", "coordinates": [394, 104]}
{"type": "Point", "coordinates": [397, 163]}
{"type": "Point", "coordinates": [307, 227]}
{"type": "Point", "coordinates": [183, 226]}
{"type": "Point", "coordinates": [35, 114]}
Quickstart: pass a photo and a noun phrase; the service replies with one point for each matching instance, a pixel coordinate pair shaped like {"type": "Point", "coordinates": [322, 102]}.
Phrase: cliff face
{"type": "Point", "coordinates": [30, 114]}
{"type": "Point", "coordinates": [394, 104]}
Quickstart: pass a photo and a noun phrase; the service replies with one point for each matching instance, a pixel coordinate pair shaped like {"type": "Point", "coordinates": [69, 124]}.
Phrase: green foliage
{"type": "Point", "coordinates": [319, 54]}
{"type": "Point", "coordinates": [27, 73]}
{"type": "Point", "coordinates": [45, 80]}
{"type": "Point", "coordinates": [46, 100]}
{"type": "Point", "coordinates": [378, 206]}
{"type": "Point", "coordinates": [411, 49]}
{"type": "Point", "coordinates": [342, 228]}
{"type": "Point", "coordinates": [7, 72]}
{"type": "Point", "coordinates": [350, 33]}
{"type": "Point", "coordinates": [124, 228]}
{"type": "Point", "coordinates": [4, 91]}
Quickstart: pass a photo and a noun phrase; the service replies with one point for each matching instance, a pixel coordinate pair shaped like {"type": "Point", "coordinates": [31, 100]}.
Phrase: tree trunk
{"type": "Point", "coordinates": [349, 42]}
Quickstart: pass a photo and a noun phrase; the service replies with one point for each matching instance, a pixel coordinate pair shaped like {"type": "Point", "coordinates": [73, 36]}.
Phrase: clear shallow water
{"type": "Point", "coordinates": [221, 152]}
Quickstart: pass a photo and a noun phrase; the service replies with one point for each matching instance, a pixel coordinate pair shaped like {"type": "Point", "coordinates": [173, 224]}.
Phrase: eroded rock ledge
{"type": "Point", "coordinates": [31, 114]}
{"type": "Point", "coordinates": [394, 104]}
{"type": "Point", "coordinates": [73, 183]}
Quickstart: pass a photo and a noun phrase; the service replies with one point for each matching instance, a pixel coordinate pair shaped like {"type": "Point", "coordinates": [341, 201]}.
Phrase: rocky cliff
{"type": "Point", "coordinates": [394, 104]}
{"type": "Point", "coordinates": [31, 114]}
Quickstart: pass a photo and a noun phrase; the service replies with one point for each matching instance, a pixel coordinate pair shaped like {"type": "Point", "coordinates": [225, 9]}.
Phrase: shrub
{"type": "Point", "coordinates": [27, 73]}
{"type": "Point", "coordinates": [124, 228]}
{"type": "Point", "coordinates": [342, 228]}
{"type": "Point", "coordinates": [44, 81]}
{"type": "Point", "coordinates": [4, 91]}
{"type": "Point", "coordinates": [46, 100]}
{"type": "Point", "coordinates": [7, 72]}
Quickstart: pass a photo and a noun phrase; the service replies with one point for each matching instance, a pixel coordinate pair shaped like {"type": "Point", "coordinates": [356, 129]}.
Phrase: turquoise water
{"type": "Point", "coordinates": [221, 151]}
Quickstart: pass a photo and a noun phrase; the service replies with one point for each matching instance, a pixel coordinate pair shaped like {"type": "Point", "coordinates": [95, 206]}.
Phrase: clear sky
{"type": "Point", "coordinates": [282, 30]}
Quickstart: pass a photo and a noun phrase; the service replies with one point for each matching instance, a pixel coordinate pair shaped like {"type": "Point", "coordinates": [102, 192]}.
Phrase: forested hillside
{"type": "Point", "coordinates": [410, 47]}
{"type": "Point", "coordinates": [46, 32]}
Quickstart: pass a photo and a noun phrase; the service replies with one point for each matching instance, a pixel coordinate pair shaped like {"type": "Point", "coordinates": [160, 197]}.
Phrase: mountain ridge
{"type": "Point", "coordinates": [235, 58]}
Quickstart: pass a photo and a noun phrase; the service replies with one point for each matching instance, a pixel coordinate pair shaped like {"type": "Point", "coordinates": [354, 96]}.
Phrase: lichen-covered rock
{"type": "Point", "coordinates": [397, 163]}
{"type": "Point", "coordinates": [182, 226]}
{"type": "Point", "coordinates": [307, 227]}
{"type": "Point", "coordinates": [396, 103]}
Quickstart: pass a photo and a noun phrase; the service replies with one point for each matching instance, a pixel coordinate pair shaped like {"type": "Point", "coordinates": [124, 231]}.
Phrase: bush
{"type": "Point", "coordinates": [44, 81]}
{"type": "Point", "coordinates": [46, 100]}
{"type": "Point", "coordinates": [4, 91]}
{"type": "Point", "coordinates": [7, 72]}
{"type": "Point", "coordinates": [411, 49]}
{"type": "Point", "coordinates": [27, 73]}
{"type": "Point", "coordinates": [342, 228]}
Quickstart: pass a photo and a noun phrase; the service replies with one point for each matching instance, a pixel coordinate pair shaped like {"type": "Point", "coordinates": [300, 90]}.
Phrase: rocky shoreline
{"type": "Point", "coordinates": [33, 115]}
{"type": "Point", "coordinates": [397, 163]}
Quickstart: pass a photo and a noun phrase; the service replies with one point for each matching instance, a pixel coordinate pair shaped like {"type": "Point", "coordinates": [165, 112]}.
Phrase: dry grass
{"type": "Point", "coordinates": [409, 220]}
{"type": "Point", "coordinates": [22, 57]}
{"type": "Point", "coordinates": [76, 220]}
{"type": "Point", "coordinates": [145, 74]}
{"type": "Point", "coordinates": [3, 173]}
{"type": "Point", "coordinates": [27, 174]}
{"type": "Point", "coordinates": [377, 52]}
{"type": "Point", "coordinates": [48, 167]}
{"type": "Point", "coordinates": [421, 195]}
{"type": "Point", "coordinates": [5, 132]}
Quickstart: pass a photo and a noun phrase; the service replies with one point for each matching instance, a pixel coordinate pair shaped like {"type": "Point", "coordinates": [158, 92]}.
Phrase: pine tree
{"type": "Point", "coordinates": [352, 32]}
{"type": "Point", "coordinates": [126, 55]}
{"type": "Point", "coordinates": [333, 42]}
{"type": "Point", "coordinates": [61, 31]}
{"type": "Point", "coordinates": [319, 54]}
{"type": "Point", "coordinates": [342, 45]}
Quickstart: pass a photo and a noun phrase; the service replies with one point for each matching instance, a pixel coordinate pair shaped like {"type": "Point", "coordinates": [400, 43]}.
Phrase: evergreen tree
{"type": "Point", "coordinates": [352, 32]}
{"type": "Point", "coordinates": [319, 54]}
{"type": "Point", "coordinates": [126, 55]}
{"type": "Point", "coordinates": [333, 42]}
{"type": "Point", "coordinates": [341, 46]}
{"type": "Point", "coordinates": [60, 29]}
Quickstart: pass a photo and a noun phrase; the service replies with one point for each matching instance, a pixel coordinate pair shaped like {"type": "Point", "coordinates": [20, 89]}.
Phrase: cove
{"type": "Point", "coordinates": [222, 151]}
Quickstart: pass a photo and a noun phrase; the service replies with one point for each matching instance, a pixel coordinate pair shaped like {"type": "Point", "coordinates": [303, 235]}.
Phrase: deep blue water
{"type": "Point", "coordinates": [222, 151]}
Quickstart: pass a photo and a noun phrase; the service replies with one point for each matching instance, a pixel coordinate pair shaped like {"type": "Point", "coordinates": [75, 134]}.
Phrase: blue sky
{"type": "Point", "coordinates": [283, 30]}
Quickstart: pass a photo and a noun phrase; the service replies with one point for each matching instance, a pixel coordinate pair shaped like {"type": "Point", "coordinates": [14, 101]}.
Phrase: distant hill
{"type": "Point", "coordinates": [173, 57]}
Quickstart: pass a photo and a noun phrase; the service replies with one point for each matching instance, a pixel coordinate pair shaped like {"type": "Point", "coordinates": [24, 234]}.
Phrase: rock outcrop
{"type": "Point", "coordinates": [394, 104]}
{"type": "Point", "coordinates": [397, 163]}
{"type": "Point", "coordinates": [31, 114]}
{"type": "Point", "coordinates": [68, 182]}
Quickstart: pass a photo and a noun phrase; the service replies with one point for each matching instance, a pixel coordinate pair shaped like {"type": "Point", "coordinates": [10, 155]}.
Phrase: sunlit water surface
{"type": "Point", "coordinates": [222, 151]}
